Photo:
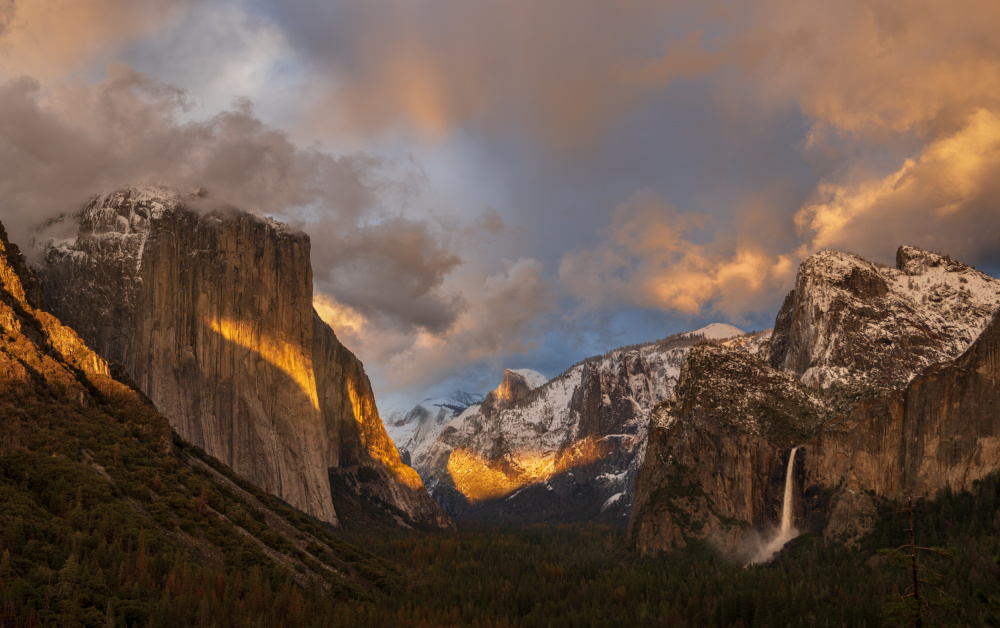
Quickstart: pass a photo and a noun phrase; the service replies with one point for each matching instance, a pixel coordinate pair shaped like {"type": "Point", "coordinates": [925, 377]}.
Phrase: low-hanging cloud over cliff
{"type": "Point", "coordinates": [503, 316]}
{"type": "Point", "coordinates": [62, 145]}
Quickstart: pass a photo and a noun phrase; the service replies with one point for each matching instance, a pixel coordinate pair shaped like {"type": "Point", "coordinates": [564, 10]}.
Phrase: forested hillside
{"type": "Point", "coordinates": [108, 519]}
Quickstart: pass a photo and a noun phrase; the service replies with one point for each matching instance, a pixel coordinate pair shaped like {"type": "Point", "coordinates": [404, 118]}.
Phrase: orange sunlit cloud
{"type": "Point", "coordinates": [937, 185]}
{"type": "Point", "coordinates": [649, 260]}
{"type": "Point", "coordinates": [48, 38]}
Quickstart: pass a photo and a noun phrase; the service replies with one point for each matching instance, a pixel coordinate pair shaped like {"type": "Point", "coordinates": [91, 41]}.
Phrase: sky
{"type": "Point", "coordinates": [520, 184]}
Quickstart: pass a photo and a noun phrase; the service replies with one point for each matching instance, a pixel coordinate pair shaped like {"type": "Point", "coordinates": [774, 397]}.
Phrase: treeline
{"type": "Point", "coordinates": [587, 576]}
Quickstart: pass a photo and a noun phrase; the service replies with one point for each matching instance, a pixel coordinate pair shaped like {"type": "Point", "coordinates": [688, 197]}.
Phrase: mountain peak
{"type": "Point", "coordinates": [128, 209]}
{"type": "Point", "coordinates": [849, 318]}
{"type": "Point", "coordinates": [717, 331]}
{"type": "Point", "coordinates": [533, 378]}
{"type": "Point", "coordinates": [515, 386]}
{"type": "Point", "coordinates": [915, 261]}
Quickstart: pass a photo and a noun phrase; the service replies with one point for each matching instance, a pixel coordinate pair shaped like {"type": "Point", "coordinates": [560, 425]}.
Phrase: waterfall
{"type": "Point", "coordinates": [786, 505]}
{"type": "Point", "coordinates": [786, 533]}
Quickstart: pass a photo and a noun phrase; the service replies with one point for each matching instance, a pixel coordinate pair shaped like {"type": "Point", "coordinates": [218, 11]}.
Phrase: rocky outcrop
{"type": "Point", "coordinates": [513, 388]}
{"type": "Point", "coordinates": [717, 452]}
{"type": "Point", "coordinates": [36, 348]}
{"type": "Point", "coordinates": [851, 320]}
{"type": "Point", "coordinates": [210, 313]}
{"type": "Point", "coordinates": [557, 451]}
{"type": "Point", "coordinates": [865, 373]}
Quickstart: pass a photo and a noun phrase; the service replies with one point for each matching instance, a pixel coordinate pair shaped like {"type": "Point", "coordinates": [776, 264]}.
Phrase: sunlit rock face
{"type": "Point", "coordinates": [46, 368]}
{"type": "Point", "coordinates": [210, 313]}
{"type": "Point", "coordinates": [514, 387]}
{"type": "Point", "coordinates": [885, 378]}
{"type": "Point", "coordinates": [555, 451]}
{"type": "Point", "coordinates": [38, 349]}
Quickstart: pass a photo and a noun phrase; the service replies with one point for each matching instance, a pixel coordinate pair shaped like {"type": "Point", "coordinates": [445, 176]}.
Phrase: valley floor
{"type": "Point", "coordinates": [585, 576]}
{"type": "Point", "coordinates": [129, 574]}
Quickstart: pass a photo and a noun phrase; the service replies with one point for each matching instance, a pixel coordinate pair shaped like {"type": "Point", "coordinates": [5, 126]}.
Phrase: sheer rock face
{"type": "Point", "coordinates": [849, 319]}
{"type": "Point", "coordinates": [942, 430]}
{"type": "Point", "coordinates": [356, 436]}
{"type": "Point", "coordinates": [718, 450]}
{"type": "Point", "coordinates": [865, 372]}
{"type": "Point", "coordinates": [211, 315]}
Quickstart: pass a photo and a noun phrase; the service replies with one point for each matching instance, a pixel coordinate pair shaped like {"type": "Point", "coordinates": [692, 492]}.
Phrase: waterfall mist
{"type": "Point", "coordinates": [786, 532]}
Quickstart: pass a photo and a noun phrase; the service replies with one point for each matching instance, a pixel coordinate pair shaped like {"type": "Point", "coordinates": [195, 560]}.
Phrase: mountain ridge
{"type": "Point", "coordinates": [566, 449]}
{"type": "Point", "coordinates": [844, 377]}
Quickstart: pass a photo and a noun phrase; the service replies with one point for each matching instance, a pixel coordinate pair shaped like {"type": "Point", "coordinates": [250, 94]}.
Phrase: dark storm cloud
{"type": "Point", "coordinates": [392, 270]}
{"type": "Point", "coordinates": [60, 147]}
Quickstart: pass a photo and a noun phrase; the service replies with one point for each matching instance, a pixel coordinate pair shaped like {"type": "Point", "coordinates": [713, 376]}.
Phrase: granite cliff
{"type": "Point", "coordinates": [210, 314]}
{"type": "Point", "coordinates": [85, 456]}
{"type": "Point", "coordinates": [941, 430]}
{"type": "Point", "coordinates": [884, 378]}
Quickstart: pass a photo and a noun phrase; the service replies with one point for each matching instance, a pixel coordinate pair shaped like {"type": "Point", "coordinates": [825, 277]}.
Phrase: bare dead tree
{"type": "Point", "coordinates": [921, 604]}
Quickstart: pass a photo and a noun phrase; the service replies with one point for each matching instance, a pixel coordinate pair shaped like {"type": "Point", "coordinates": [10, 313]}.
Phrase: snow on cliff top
{"type": "Point", "coordinates": [858, 320]}
{"type": "Point", "coordinates": [717, 331]}
{"type": "Point", "coordinates": [534, 378]}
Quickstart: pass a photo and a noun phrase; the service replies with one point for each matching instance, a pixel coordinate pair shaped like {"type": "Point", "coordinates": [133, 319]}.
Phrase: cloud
{"type": "Point", "coordinates": [6, 15]}
{"type": "Point", "coordinates": [54, 38]}
{"type": "Point", "coordinates": [672, 156]}
{"type": "Point", "coordinates": [60, 146]}
{"type": "Point", "coordinates": [858, 66]}
{"type": "Point", "coordinates": [391, 271]}
{"type": "Point", "coordinates": [902, 105]}
{"type": "Point", "coordinates": [946, 198]}
{"type": "Point", "coordinates": [504, 317]}
{"type": "Point", "coordinates": [650, 259]}
{"type": "Point", "coordinates": [547, 70]}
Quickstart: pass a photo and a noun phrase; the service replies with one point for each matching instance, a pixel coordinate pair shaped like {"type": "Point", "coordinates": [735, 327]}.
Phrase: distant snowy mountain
{"type": "Point", "coordinates": [561, 450]}
{"type": "Point", "coordinates": [717, 331]}
{"type": "Point", "coordinates": [414, 431]}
